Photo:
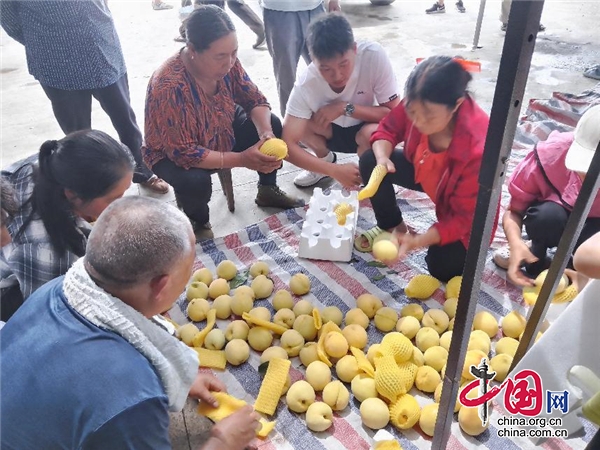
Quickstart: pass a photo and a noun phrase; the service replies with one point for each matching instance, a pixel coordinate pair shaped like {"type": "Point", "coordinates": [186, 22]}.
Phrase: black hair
{"type": "Point", "coordinates": [8, 202]}
{"type": "Point", "coordinates": [207, 24]}
{"type": "Point", "coordinates": [329, 36]}
{"type": "Point", "coordinates": [89, 163]}
{"type": "Point", "coordinates": [438, 79]}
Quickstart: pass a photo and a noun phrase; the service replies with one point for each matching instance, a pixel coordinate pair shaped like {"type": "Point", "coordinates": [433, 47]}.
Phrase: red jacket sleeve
{"type": "Point", "coordinates": [392, 127]}
{"type": "Point", "coordinates": [457, 220]}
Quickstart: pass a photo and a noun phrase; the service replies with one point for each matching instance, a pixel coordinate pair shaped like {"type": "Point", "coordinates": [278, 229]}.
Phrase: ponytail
{"type": "Point", "coordinates": [88, 163]}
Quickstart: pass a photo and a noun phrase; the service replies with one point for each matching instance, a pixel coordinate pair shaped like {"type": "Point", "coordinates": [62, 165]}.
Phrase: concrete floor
{"type": "Point", "coordinates": [570, 44]}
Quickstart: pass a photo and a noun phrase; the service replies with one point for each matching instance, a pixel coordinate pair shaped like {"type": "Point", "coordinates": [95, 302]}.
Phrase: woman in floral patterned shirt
{"type": "Point", "coordinates": [203, 113]}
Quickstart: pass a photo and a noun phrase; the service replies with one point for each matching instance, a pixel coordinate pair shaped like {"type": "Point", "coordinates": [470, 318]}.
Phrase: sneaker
{"type": "Point", "coordinates": [436, 9]}
{"type": "Point", "coordinates": [542, 27]}
{"type": "Point", "coordinates": [593, 73]}
{"type": "Point", "coordinates": [308, 179]}
{"type": "Point", "coordinates": [460, 7]}
{"type": "Point", "coordinates": [502, 255]}
{"type": "Point", "coordinates": [504, 27]}
{"type": "Point", "coordinates": [273, 197]}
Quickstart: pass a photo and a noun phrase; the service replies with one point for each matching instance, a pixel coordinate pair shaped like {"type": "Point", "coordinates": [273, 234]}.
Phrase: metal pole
{"type": "Point", "coordinates": [512, 77]}
{"type": "Point", "coordinates": [478, 26]}
{"type": "Point", "coordinates": [576, 221]}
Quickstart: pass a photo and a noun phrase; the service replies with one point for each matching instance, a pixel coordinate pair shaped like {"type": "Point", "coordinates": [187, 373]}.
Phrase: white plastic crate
{"type": "Point", "coordinates": [322, 237]}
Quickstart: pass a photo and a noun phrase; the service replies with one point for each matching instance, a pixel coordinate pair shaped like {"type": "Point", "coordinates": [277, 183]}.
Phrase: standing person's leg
{"type": "Point", "coordinates": [544, 223]}
{"type": "Point", "coordinates": [286, 32]}
{"type": "Point", "coordinates": [446, 261]}
{"type": "Point", "coordinates": [250, 18]}
{"type": "Point", "coordinates": [72, 109]}
{"type": "Point", "coordinates": [246, 135]}
{"type": "Point", "coordinates": [115, 101]}
{"type": "Point", "coordinates": [504, 11]}
{"type": "Point", "coordinates": [193, 190]}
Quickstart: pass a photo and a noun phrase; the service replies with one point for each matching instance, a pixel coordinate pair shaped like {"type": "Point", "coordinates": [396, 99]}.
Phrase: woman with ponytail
{"type": "Point", "coordinates": [443, 133]}
{"type": "Point", "coordinates": [59, 193]}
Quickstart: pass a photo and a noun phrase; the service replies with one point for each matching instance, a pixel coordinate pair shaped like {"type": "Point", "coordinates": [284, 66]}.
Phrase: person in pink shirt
{"type": "Point", "coordinates": [543, 189]}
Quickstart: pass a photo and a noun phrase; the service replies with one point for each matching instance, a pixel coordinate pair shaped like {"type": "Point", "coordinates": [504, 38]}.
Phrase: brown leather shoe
{"type": "Point", "coordinates": [273, 197]}
{"type": "Point", "coordinates": [156, 184]}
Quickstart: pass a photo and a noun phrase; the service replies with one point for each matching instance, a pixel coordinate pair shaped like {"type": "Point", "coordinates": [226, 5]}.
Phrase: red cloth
{"type": "Point", "coordinates": [429, 167]}
{"type": "Point", "coordinates": [456, 195]}
{"type": "Point", "coordinates": [528, 184]}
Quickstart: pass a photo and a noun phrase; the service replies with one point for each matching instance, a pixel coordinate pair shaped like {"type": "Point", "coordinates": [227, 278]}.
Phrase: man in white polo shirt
{"type": "Point", "coordinates": [337, 102]}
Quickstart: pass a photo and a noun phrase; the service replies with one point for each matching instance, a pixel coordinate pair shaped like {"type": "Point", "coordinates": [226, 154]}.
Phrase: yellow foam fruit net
{"type": "Point", "coordinates": [531, 293]}
{"type": "Point", "coordinates": [341, 211]}
{"type": "Point", "coordinates": [272, 386]}
{"type": "Point", "coordinates": [405, 412]}
{"type": "Point", "coordinates": [213, 359]}
{"type": "Point", "coordinates": [363, 362]}
{"type": "Point", "coordinates": [278, 329]}
{"type": "Point", "coordinates": [387, 445]}
{"type": "Point", "coordinates": [274, 147]}
{"type": "Point", "coordinates": [453, 287]}
{"type": "Point", "coordinates": [211, 317]}
{"type": "Point", "coordinates": [408, 373]}
{"type": "Point", "coordinates": [396, 345]}
{"type": "Point", "coordinates": [388, 378]}
{"type": "Point", "coordinates": [227, 406]}
{"type": "Point", "coordinates": [421, 287]}
{"type": "Point", "coordinates": [377, 176]}
{"type": "Point", "coordinates": [567, 295]}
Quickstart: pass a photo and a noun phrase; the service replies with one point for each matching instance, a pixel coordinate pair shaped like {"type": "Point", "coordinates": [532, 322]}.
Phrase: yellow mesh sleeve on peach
{"type": "Point", "coordinates": [421, 287]}
{"type": "Point", "coordinates": [396, 345]}
{"type": "Point", "coordinates": [405, 412]}
{"type": "Point", "coordinates": [274, 147]}
{"type": "Point", "coordinates": [565, 296]}
{"type": "Point", "coordinates": [453, 287]}
{"type": "Point", "coordinates": [388, 380]}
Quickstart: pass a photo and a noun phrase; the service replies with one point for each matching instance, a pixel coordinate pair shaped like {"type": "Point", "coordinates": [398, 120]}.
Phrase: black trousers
{"type": "Point", "coordinates": [545, 223]}
{"type": "Point", "coordinates": [443, 261]}
{"type": "Point", "coordinates": [73, 112]}
{"type": "Point", "coordinates": [193, 187]}
{"type": "Point", "coordinates": [12, 299]}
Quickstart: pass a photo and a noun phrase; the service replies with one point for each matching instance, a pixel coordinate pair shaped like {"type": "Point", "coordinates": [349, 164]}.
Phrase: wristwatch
{"type": "Point", "coordinates": [349, 109]}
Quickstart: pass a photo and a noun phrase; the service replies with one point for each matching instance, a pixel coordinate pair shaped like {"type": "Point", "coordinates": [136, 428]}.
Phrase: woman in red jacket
{"type": "Point", "coordinates": [443, 131]}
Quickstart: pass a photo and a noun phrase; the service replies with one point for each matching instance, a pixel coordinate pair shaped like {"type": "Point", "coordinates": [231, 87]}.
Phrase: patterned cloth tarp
{"type": "Point", "coordinates": [275, 241]}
